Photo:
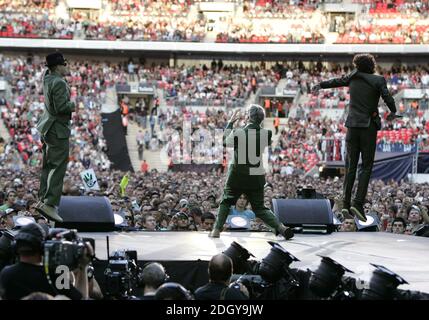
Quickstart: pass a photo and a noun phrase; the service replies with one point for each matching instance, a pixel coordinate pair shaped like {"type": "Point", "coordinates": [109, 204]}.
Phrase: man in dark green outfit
{"type": "Point", "coordinates": [54, 127]}
{"type": "Point", "coordinates": [246, 174]}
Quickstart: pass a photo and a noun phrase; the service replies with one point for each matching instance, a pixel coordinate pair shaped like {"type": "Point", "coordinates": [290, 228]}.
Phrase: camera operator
{"type": "Point", "coordinates": [28, 276]}
{"type": "Point", "coordinates": [220, 271]}
{"type": "Point", "coordinates": [7, 227]}
{"type": "Point", "coordinates": [152, 276]}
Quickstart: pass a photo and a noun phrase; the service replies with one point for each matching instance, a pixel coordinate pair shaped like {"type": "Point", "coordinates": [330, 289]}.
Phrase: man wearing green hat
{"type": "Point", "coordinates": [54, 127]}
{"type": "Point", "coordinates": [246, 175]}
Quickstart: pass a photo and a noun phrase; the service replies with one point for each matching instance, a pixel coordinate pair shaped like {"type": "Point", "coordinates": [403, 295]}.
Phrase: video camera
{"type": "Point", "coordinates": [63, 247]}
{"type": "Point", "coordinates": [306, 193]}
{"type": "Point", "coordinates": [122, 274]}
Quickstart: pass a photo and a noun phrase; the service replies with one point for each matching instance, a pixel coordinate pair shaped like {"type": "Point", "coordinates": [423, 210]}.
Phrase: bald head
{"type": "Point", "coordinates": [220, 268]}
{"type": "Point", "coordinates": [153, 275]}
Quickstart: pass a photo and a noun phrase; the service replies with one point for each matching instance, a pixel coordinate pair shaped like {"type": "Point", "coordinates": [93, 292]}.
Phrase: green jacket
{"type": "Point", "coordinates": [246, 171]}
{"type": "Point", "coordinates": [58, 107]}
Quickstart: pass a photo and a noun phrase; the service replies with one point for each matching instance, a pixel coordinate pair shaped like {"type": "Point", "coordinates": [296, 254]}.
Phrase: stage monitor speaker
{"type": "Point", "coordinates": [86, 214]}
{"type": "Point", "coordinates": [307, 215]}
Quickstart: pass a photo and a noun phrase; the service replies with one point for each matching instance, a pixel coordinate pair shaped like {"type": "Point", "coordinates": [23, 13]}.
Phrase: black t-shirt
{"type": "Point", "coordinates": [22, 279]}
{"type": "Point", "coordinates": [213, 291]}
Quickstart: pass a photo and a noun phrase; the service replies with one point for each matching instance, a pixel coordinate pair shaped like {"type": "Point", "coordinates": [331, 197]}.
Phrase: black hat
{"type": "Point", "coordinates": [32, 233]}
{"type": "Point", "coordinates": [55, 59]}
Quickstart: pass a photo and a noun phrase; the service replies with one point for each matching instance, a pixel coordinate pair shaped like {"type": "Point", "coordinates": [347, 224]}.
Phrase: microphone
{"type": "Point", "coordinates": [393, 116]}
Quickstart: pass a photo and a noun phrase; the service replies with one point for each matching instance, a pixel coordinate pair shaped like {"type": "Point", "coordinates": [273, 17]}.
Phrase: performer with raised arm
{"type": "Point", "coordinates": [54, 128]}
{"type": "Point", "coordinates": [363, 121]}
{"type": "Point", "coordinates": [246, 174]}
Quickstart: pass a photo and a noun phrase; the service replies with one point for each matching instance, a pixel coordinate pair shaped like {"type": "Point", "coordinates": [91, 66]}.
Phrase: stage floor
{"type": "Point", "coordinates": [406, 255]}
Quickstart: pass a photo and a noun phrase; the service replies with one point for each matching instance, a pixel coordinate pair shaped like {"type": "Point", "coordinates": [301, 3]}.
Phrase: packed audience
{"type": "Point", "coordinates": [202, 85]}
{"type": "Point", "coordinates": [220, 85]}
{"type": "Point", "coordinates": [397, 22]}
{"type": "Point", "coordinates": [120, 20]}
{"type": "Point", "coordinates": [166, 8]}
{"type": "Point", "coordinates": [275, 22]}
{"type": "Point", "coordinates": [189, 200]}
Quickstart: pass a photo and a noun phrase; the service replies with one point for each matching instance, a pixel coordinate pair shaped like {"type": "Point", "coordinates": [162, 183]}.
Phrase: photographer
{"type": "Point", "coordinates": [28, 275]}
{"type": "Point", "coordinates": [220, 271]}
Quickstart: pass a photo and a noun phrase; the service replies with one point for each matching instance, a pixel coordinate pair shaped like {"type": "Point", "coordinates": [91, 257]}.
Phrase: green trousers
{"type": "Point", "coordinates": [55, 159]}
{"type": "Point", "coordinates": [256, 199]}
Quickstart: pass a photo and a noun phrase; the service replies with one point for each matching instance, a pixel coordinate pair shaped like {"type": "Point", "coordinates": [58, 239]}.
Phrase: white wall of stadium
{"type": "Point", "coordinates": [211, 47]}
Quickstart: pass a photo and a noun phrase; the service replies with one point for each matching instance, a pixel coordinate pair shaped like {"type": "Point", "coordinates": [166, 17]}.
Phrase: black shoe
{"type": "Point", "coordinates": [359, 212]}
{"type": "Point", "coordinates": [286, 232]}
{"type": "Point", "coordinates": [49, 212]}
{"type": "Point", "coordinates": [214, 233]}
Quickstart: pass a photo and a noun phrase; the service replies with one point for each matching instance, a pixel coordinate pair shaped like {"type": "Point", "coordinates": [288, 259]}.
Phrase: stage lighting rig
{"type": "Point", "coordinates": [274, 266]}
{"type": "Point", "coordinates": [327, 281]}
{"type": "Point", "coordinates": [240, 258]}
{"type": "Point", "coordinates": [383, 284]}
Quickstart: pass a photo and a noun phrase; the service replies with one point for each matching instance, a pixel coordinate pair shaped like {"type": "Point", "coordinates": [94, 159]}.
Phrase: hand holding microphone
{"type": "Point", "coordinates": [393, 116]}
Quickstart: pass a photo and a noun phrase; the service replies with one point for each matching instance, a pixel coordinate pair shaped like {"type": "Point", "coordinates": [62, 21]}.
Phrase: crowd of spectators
{"type": "Point", "coordinates": [188, 200]}
{"type": "Point", "coordinates": [166, 8]}
{"type": "Point", "coordinates": [29, 5]}
{"type": "Point", "coordinates": [275, 22]}
{"type": "Point", "coordinates": [121, 20]}
{"type": "Point", "coordinates": [279, 9]}
{"type": "Point", "coordinates": [202, 85]}
{"type": "Point", "coordinates": [229, 85]}
{"type": "Point", "coordinates": [397, 22]}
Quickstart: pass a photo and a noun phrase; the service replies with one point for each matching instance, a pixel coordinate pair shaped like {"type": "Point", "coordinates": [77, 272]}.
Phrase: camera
{"type": "Point", "coordinates": [122, 274]}
{"type": "Point", "coordinates": [254, 284]}
{"type": "Point", "coordinates": [306, 193]}
{"type": "Point", "coordinates": [64, 248]}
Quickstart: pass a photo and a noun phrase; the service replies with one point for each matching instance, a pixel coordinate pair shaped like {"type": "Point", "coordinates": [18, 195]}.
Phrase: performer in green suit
{"type": "Point", "coordinates": [54, 127]}
{"type": "Point", "coordinates": [246, 174]}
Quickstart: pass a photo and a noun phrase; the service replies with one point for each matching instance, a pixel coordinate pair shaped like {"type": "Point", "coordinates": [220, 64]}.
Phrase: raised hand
{"type": "Point", "coordinates": [315, 88]}
{"type": "Point", "coordinates": [235, 116]}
